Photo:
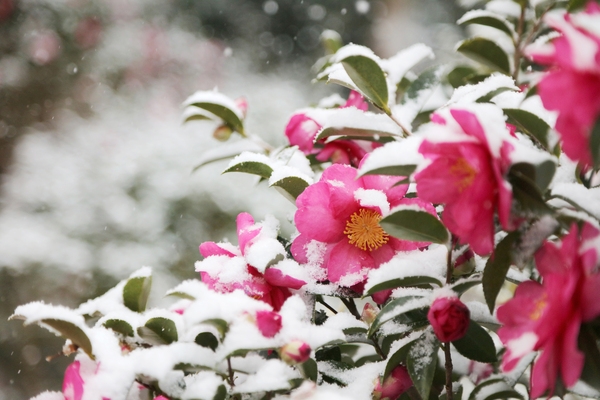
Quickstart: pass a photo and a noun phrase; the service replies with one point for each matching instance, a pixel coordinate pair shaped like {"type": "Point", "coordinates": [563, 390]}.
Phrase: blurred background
{"type": "Point", "coordinates": [95, 163]}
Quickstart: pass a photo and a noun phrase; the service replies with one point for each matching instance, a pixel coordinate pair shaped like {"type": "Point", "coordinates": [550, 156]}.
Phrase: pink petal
{"type": "Point", "coordinates": [73, 383]}
{"type": "Point", "coordinates": [246, 230]}
{"type": "Point", "coordinates": [346, 259]}
{"type": "Point", "coordinates": [208, 249]}
{"type": "Point", "coordinates": [469, 124]}
{"type": "Point", "coordinates": [275, 277]}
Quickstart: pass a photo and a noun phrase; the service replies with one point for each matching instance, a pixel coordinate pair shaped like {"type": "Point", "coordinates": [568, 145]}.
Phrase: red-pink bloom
{"type": "Point", "coordinates": [449, 318]}
{"type": "Point", "coordinates": [161, 397]}
{"type": "Point", "coordinates": [572, 85]}
{"type": "Point", "coordinates": [397, 383]}
{"type": "Point", "coordinates": [248, 266]}
{"type": "Point", "coordinates": [301, 131]}
{"type": "Point", "coordinates": [295, 352]}
{"type": "Point", "coordinates": [338, 220]}
{"type": "Point", "coordinates": [73, 382]}
{"type": "Point", "coordinates": [547, 316]}
{"type": "Point", "coordinates": [268, 323]}
{"type": "Point", "coordinates": [88, 32]}
{"type": "Point", "coordinates": [469, 150]}
{"type": "Point", "coordinates": [44, 47]}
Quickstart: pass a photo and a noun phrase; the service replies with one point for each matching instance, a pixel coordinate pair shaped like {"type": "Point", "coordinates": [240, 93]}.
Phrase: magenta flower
{"type": "Point", "coordinates": [572, 86]}
{"type": "Point", "coordinates": [295, 352]}
{"type": "Point", "coordinates": [469, 162]}
{"type": "Point", "coordinates": [73, 382]}
{"type": "Point", "coordinates": [268, 323]}
{"type": "Point", "coordinates": [397, 383]}
{"type": "Point", "coordinates": [449, 318]}
{"type": "Point", "coordinates": [547, 316]}
{"type": "Point", "coordinates": [301, 131]}
{"type": "Point", "coordinates": [248, 266]}
{"type": "Point", "coordinates": [338, 220]}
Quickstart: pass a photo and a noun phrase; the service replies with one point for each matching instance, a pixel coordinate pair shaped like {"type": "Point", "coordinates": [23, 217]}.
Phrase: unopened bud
{"type": "Point", "coordinates": [295, 352]}
{"type": "Point", "coordinates": [369, 313]}
{"type": "Point", "coordinates": [394, 385]}
{"type": "Point", "coordinates": [242, 104]}
{"type": "Point", "coordinates": [222, 133]}
{"type": "Point", "coordinates": [449, 318]}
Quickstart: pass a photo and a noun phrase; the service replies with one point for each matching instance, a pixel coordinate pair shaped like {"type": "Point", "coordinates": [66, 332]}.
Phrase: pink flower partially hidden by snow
{"type": "Point", "coordinates": [301, 131]}
{"type": "Point", "coordinates": [469, 159]}
{"type": "Point", "coordinates": [547, 316]}
{"type": "Point", "coordinates": [338, 219]}
{"type": "Point", "coordinates": [256, 265]}
{"type": "Point", "coordinates": [394, 385]}
{"type": "Point", "coordinates": [74, 384]}
{"type": "Point", "coordinates": [449, 318]}
{"type": "Point", "coordinates": [295, 352]}
{"type": "Point", "coordinates": [268, 323]}
{"type": "Point", "coordinates": [572, 85]}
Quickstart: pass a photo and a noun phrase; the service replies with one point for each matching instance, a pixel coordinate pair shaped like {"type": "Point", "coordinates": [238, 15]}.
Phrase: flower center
{"type": "Point", "coordinates": [363, 230]}
{"type": "Point", "coordinates": [538, 309]}
{"type": "Point", "coordinates": [464, 172]}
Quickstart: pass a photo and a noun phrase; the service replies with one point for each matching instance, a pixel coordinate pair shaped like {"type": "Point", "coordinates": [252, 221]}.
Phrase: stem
{"type": "Point", "coordinates": [230, 370]}
{"type": "Point", "coordinates": [449, 268]}
{"type": "Point", "coordinates": [256, 139]}
{"type": "Point", "coordinates": [406, 132]}
{"type": "Point", "coordinates": [327, 306]}
{"type": "Point", "coordinates": [517, 55]}
{"type": "Point", "coordinates": [351, 306]}
{"type": "Point", "coordinates": [378, 349]}
{"type": "Point", "coordinates": [448, 371]}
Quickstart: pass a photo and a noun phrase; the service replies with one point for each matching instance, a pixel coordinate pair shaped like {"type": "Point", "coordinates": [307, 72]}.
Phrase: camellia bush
{"type": "Point", "coordinates": [422, 200]}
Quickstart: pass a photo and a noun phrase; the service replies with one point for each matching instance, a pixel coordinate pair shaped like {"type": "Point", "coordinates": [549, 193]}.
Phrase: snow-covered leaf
{"type": "Point", "coordinates": [219, 105]}
{"type": "Point", "coordinates": [119, 326]}
{"type": "Point", "coordinates": [486, 52]}
{"type": "Point", "coordinates": [487, 18]}
{"type": "Point", "coordinates": [136, 291]}
{"type": "Point", "coordinates": [158, 330]}
{"type": "Point", "coordinates": [404, 282]}
{"type": "Point", "coordinates": [207, 339]}
{"type": "Point", "coordinates": [492, 389]}
{"type": "Point", "coordinates": [251, 167]}
{"type": "Point", "coordinates": [530, 124]}
{"type": "Point", "coordinates": [395, 308]}
{"type": "Point", "coordinates": [293, 185]}
{"type": "Point", "coordinates": [368, 76]}
{"type": "Point", "coordinates": [422, 362]}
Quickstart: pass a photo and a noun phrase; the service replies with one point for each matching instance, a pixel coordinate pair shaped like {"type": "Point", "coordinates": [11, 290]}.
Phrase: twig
{"type": "Point", "coordinates": [351, 306]}
{"type": "Point", "coordinates": [448, 371]}
{"type": "Point", "coordinates": [405, 131]}
{"type": "Point", "coordinates": [517, 55]}
{"type": "Point", "coordinates": [321, 301]}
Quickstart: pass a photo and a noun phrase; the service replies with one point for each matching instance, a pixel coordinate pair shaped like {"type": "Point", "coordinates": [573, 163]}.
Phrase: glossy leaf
{"type": "Point", "coordinates": [595, 144]}
{"type": "Point", "coordinates": [292, 185]}
{"type": "Point", "coordinates": [589, 346]}
{"type": "Point", "coordinates": [356, 134]}
{"type": "Point", "coordinates": [309, 369]}
{"type": "Point", "coordinates": [395, 170]}
{"type": "Point", "coordinates": [159, 330]}
{"type": "Point", "coordinates": [220, 324]}
{"type": "Point", "coordinates": [207, 339]}
{"type": "Point", "coordinates": [404, 282]}
{"type": "Point", "coordinates": [488, 19]}
{"type": "Point", "coordinates": [486, 52]}
{"type": "Point", "coordinates": [529, 124]}
{"type": "Point", "coordinates": [229, 117]}
{"type": "Point", "coordinates": [460, 76]}
{"type": "Point", "coordinates": [399, 357]}
{"type": "Point", "coordinates": [477, 344]}
{"type": "Point", "coordinates": [221, 393]}
{"type": "Point", "coordinates": [415, 225]}
{"type": "Point", "coordinates": [393, 309]}
{"type": "Point", "coordinates": [465, 284]}
{"type": "Point", "coordinates": [136, 291]}
{"type": "Point", "coordinates": [252, 167]}
{"type": "Point", "coordinates": [368, 76]}
{"type": "Point", "coordinates": [425, 83]}
{"type": "Point", "coordinates": [492, 389]}
{"type": "Point", "coordinates": [120, 326]}
{"type": "Point", "coordinates": [496, 269]}
{"type": "Point", "coordinates": [72, 332]}
{"type": "Point", "coordinates": [489, 96]}
{"type": "Point", "coordinates": [422, 362]}
{"type": "Point", "coordinates": [526, 192]}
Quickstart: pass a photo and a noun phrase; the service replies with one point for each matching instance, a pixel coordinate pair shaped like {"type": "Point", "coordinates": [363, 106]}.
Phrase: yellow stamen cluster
{"type": "Point", "coordinates": [363, 230]}
{"type": "Point", "coordinates": [465, 172]}
{"type": "Point", "coordinates": [538, 310]}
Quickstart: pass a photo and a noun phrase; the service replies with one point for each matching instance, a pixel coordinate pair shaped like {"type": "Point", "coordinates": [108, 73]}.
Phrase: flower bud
{"type": "Point", "coordinates": [268, 323]}
{"type": "Point", "coordinates": [295, 352]}
{"type": "Point", "coordinates": [369, 313]}
{"type": "Point", "coordinates": [222, 133]}
{"type": "Point", "coordinates": [449, 318]}
{"type": "Point", "coordinates": [242, 105]}
{"type": "Point", "coordinates": [394, 385]}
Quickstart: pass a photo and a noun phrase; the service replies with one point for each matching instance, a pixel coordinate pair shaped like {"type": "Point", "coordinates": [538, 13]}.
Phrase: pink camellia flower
{"type": "Point", "coordinates": [44, 47]}
{"type": "Point", "coordinates": [547, 316]}
{"type": "Point", "coordinates": [248, 266]}
{"type": "Point", "coordinates": [338, 220]}
{"type": "Point", "coordinates": [301, 131]}
{"type": "Point", "coordinates": [74, 383]}
{"type": "Point", "coordinates": [161, 397]}
{"type": "Point", "coordinates": [88, 32]}
{"type": "Point", "coordinates": [469, 152]}
{"type": "Point", "coordinates": [295, 352]}
{"type": "Point", "coordinates": [268, 323]}
{"type": "Point", "coordinates": [397, 383]}
{"type": "Point", "coordinates": [572, 86]}
{"type": "Point", "coordinates": [449, 318]}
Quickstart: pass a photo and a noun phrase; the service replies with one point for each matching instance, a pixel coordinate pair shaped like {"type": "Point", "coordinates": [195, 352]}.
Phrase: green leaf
{"type": "Point", "coordinates": [486, 52]}
{"type": "Point", "coordinates": [422, 362]}
{"type": "Point", "coordinates": [196, 117]}
{"type": "Point", "coordinates": [395, 170]}
{"type": "Point", "coordinates": [136, 291]}
{"type": "Point", "coordinates": [207, 339]}
{"type": "Point", "coordinates": [293, 185]}
{"type": "Point", "coordinates": [526, 192]}
{"type": "Point", "coordinates": [220, 324]}
{"type": "Point", "coordinates": [489, 96]}
{"type": "Point", "coordinates": [397, 358]}
{"type": "Point", "coordinates": [588, 344]}
{"type": "Point", "coordinates": [221, 393]}
{"type": "Point", "coordinates": [415, 225]}
{"type": "Point", "coordinates": [540, 174]}
{"type": "Point", "coordinates": [72, 332]}
{"type": "Point", "coordinates": [228, 116]}
{"type": "Point", "coordinates": [404, 282]}
{"type": "Point", "coordinates": [158, 330]}
{"type": "Point", "coordinates": [477, 344]}
{"type": "Point", "coordinates": [309, 369]}
{"type": "Point", "coordinates": [356, 134]}
{"type": "Point", "coordinates": [368, 76]}
{"type": "Point", "coordinates": [495, 388]}
{"type": "Point", "coordinates": [460, 76]}
{"type": "Point", "coordinates": [393, 309]}
{"type": "Point", "coordinates": [595, 144]}
{"type": "Point", "coordinates": [333, 353]}
{"type": "Point", "coordinates": [490, 19]}
{"type": "Point", "coordinates": [465, 284]}
{"type": "Point", "coordinates": [252, 167]}
{"type": "Point", "coordinates": [426, 81]}
{"type": "Point", "coordinates": [575, 5]}
{"type": "Point", "coordinates": [529, 124]}
{"type": "Point", "coordinates": [496, 269]}
{"type": "Point", "coordinates": [120, 326]}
